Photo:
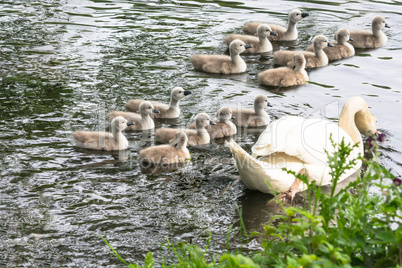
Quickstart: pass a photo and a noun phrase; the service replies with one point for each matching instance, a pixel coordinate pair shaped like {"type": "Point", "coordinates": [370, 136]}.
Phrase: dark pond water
{"type": "Point", "coordinates": [66, 63]}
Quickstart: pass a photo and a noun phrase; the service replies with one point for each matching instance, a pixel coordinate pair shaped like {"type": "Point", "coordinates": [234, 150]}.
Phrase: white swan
{"type": "Point", "coordinates": [299, 144]}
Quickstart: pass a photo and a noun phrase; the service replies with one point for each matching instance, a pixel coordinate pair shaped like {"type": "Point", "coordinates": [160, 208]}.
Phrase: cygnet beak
{"type": "Point", "coordinates": [130, 123]}
{"type": "Point", "coordinates": [156, 111]}
{"type": "Point", "coordinates": [248, 46]}
{"type": "Point", "coordinates": [187, 92]}
{"type": "Point", "coordinates": [212, 122]}
{"type": "Point", "coordinates": [233, 117]}
{"type": "Point", "coordinates": [350, 39]}
{"type": "Point", "coordinates": [273, 33]}
{"type": "Point", "coordinates": [304, 14]}
{"type": "Point", "coordinates": [387, 25]}
{"type": "Point", "coordinates": [330, 44]}
{"type": "Point", "coordinates": [269, 104]}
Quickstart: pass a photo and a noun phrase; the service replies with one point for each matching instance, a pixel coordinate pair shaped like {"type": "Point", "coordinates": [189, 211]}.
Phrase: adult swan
{"type": "Point", "coordinates": [299, 144]}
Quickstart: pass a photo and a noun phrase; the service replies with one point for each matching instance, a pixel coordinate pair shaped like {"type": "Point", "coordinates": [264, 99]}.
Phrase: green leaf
{"type": "Point", "coordinates": [385, 236]}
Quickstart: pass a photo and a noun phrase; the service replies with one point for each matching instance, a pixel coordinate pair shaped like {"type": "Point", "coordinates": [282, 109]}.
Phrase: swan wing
{"type": "Point", "coordinates": [306, 139]}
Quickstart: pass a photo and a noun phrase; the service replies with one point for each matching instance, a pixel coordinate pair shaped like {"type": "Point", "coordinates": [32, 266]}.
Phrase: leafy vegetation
{"type": "Point", "coordinates": [359, 226]}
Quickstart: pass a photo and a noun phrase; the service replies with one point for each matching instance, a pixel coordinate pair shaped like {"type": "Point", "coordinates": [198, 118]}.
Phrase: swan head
{"type": "Point", "coordinates": [237, 46]}
{"type": "Point", "coordinates": [299, 61]}
{"type": "Point", "coordinates": [224, 114]}
{"type": "Point", "coordinates": [119, 123]}
{"type": "Point", "coordinates": [295, 15]}
{"type": "Point", "coordinates": [342, 36]}
{"type": "Point", "coordinates": [180, 139]}
{"type": "Point", "coordinates": [263, 30]}
{"type": "Point", "coordinates": [356, 114]}
{"type": "Point", "coordinates": [320, 42]}
{"type": "Point", "coordinates": [202, 120]}
{"type": "Point", "coordinates": [260, 102]}
{"type": "Point", "coordinates": [146, 108]}
{"type": "Point", "coordinates": [366, 123]}
{"type": "Point", "coordinates": [379, 23]}
{"type": "Point", "coordinates": [179, 93]}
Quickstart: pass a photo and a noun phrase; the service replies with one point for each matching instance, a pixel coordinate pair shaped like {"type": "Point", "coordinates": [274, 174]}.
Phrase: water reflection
{"type": "Point", "coordinates": [65, 63]}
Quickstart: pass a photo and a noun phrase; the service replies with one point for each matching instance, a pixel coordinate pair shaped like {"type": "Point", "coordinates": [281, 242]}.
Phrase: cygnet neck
{"type": "Point", "coordinates": [235, 57]}
{"type": "Point", "coordinates": [377, 31]}
{"type": "Point", "coordinates": [260, 111]}
{"type": "Point", "coordinates": [200, 128]}
{"type": "Point", "coordinates": [291, 27]}
{"type": "Point", "coordinates": [174, 105]}
{"type": "Point", "coordinates": [318, 51]}
{"type": "Point", "coordinates": [117, 135]}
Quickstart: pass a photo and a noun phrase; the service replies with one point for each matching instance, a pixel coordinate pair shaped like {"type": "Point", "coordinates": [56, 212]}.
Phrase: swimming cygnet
{"type": "Point", "coordinates": [260, 44]}
{"type": "Point", "coordinates": [199, 136]}
{"type": "Point", "coordinates": [370, 39]}
{"type": "Point", "coordinates": [221, 64]}
{"type": "Point", "coordinates": [252, 118]}
{"type": "Point", "coordinates": [315, 59]}
{"type": "Point", "coordinates": [342, 49]}
{"type": "Point", "coordinates": [142, 121]}
{"type": "Point", "coordinates": [175, 152]}
{"type": "Point", "coordinates": [166, 111]}
{"type": "Point", "coordinates": [224, 127]}
{"type": "Point", "coordinates": [285, 76]}
{"type": "Point", "coordinates": [283, 34]}
{"type": "Point", "coordinates": [105, 141]}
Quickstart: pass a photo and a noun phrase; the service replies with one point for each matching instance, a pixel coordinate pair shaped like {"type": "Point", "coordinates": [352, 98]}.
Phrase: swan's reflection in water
{"type": "Point", "coordinates": [119, 157]}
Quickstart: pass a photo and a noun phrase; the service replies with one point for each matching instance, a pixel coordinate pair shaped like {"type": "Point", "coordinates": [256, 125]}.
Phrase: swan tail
{"type": "Point", "coordinates": [251, 170]}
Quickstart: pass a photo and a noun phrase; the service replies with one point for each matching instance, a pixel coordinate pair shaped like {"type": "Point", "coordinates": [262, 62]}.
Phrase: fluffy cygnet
{"type": "Point", "coordinates": [283, 34]}
{"type": "Point", "coordinates": [221, 64]}
{"type": "Point", "coordinates": [142, 121]}
{"type": "Point", "coordinates": [175, 152]}
{"type": "Point", "coordinates": [224, 127]}
{"type": "Point", "coordinates": [342, 49]}
{"type": "Point", "coordinates": [199, 136]}
{"type": "Point", "coordinates": [252, 118]}
{"type": "Point", "coordinates": [315, 59]}
{"type": "Point", "coordinates": [285, 76]}
{"type": "Point", "coordinates": [166, 111]}
{"type": "Point", "coordinates": [370, 39]}
{"type": "Point", "coordinates": [105, 141]}
{"type": "Point", "coordinates": [259, 44]}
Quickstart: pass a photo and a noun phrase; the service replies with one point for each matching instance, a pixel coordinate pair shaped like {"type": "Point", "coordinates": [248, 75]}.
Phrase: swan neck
{"type": "Point", "coordinates": [291, 27]}
{"type": "Point", "coordinates": [174, 105]}
{"type": "Point", "coordinates": [377, 32]}
{"type": "Point", "coordinates": [263, 40]}
{"type": "Point", "coordinates": [348, 124]}
{"type": "Point", "coordinates": [117, 135]}
{"type": "Point", "coordinates": [235, 57]}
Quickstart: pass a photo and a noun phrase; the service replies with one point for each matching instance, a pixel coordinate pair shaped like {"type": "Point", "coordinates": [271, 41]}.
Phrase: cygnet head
{"type": "Point", "coordinates": [260, 102]}
{"type": "Point", "coordinates": [146, 108]}
{"type": "Point", "coordinates": [237, 46]}
{"type": "Point", "coordinates": [203, 120]}
{"type": "Point", "coordinates": [180, 139]}
{"type": "Point", "coordinates": [119, 123]}
{"type": "Point", "coordinates": [320, 42]}
{"type": "Point", "coordinates": [379, 23]}
{"type": "Point", "coordinates": [295, 15]}
{"type": "Point", "coordinates": [299, 61]}
{"type": "Point", "coordinates": [342, 36]}
{"type": "Point", "coordinates": [179, 93]}
{"type": "Point", "coordinates": [263, 30]}
{"type": "Point", "coordinates": [224, 114]}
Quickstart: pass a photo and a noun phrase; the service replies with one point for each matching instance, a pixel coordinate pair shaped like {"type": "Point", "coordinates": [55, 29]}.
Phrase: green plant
{"type": "Point", "coordinates": [351, 228]}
